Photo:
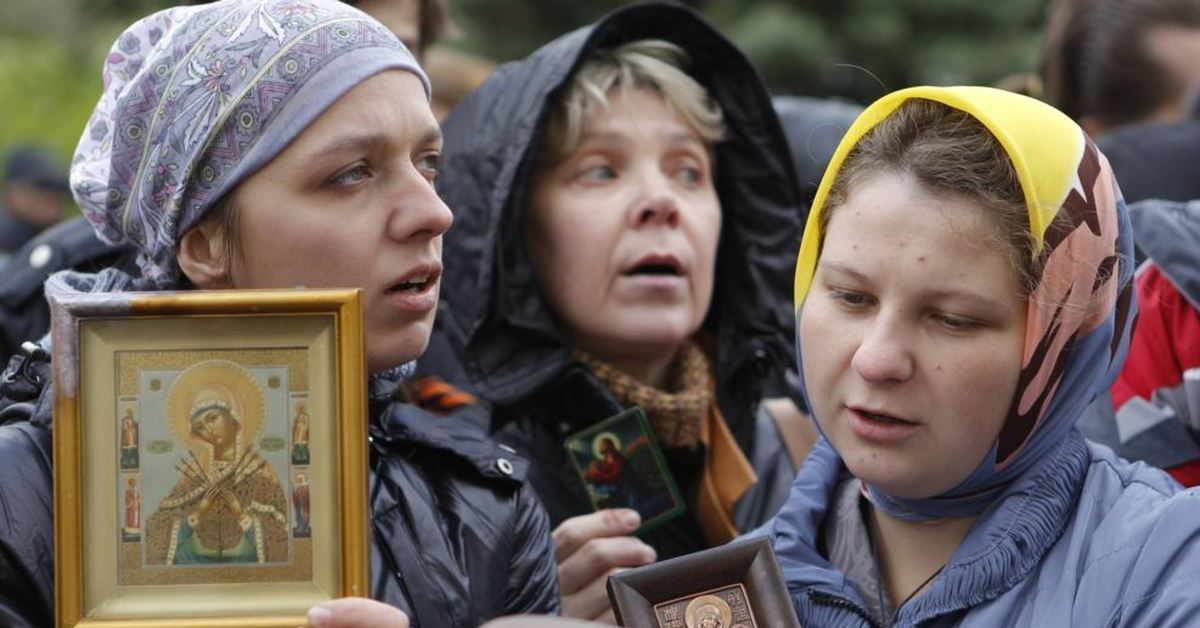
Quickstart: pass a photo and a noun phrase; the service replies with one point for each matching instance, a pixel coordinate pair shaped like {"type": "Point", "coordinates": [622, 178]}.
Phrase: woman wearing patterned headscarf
{"type": "Point", "coordinates": [275, 144]}
{"type": "Point", "coordinates": [963, 292]}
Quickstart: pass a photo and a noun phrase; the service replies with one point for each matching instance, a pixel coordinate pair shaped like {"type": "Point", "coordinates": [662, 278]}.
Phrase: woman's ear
{"type": "Point", "coordinates": [202, 256]}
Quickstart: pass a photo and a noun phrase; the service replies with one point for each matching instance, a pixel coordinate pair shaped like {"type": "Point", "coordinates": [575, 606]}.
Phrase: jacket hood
{"type": "Point", "coordinates": [1082, 307]}
{"type": "Point", "coordinates": [493, 315]}
{"type": "Point", "coordinates": [1169, 232]}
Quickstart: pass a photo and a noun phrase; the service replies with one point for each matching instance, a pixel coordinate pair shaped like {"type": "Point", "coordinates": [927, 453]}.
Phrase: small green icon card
{"type": "Point", "coordinates": [621, 466]}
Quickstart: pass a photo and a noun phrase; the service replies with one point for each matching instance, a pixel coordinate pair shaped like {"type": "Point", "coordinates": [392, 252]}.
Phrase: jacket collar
{"type": "Point", "coordinates": [1005, 545]}
{"type": "Point", "coordinates": [1168, 232]}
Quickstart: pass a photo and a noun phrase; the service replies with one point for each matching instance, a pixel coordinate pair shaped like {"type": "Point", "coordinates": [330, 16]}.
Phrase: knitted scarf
{"type": "Point", "coordinates": [675, 413]}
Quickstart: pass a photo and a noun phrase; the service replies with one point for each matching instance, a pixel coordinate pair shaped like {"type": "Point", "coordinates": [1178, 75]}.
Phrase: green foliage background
{"type": "Point", "coordinates": [855, 49]}
{"type": "Point", "coordinates": [51, 51]}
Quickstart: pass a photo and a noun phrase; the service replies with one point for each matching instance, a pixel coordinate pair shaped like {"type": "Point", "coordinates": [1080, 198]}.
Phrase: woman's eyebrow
{"type": "Point", "coordinates": [608, 135]}
{"type": "Point", "coordinates": [613, 135]}
{"type": "Point", "coordinates": [842, 268]}
{"type": "Point", "coordinates": [342, 144]}
{"type": "Point", "coordinates": [971, 297]}
{"type": "Point", "coordinates": [683, 137]}
{"type": "Point", "coordinates": [367, 142]}
{"type": "Point", "coordinates": [431, 135]}
{"type": "Point", "coordinates": [933, 293]}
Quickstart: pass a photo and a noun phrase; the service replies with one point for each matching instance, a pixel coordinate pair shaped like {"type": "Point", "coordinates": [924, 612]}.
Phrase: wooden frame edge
{"type": "Point", "coordinates": [68, 507]}
{"type": "Point", "coordinates": [349, 365]}
{"type": "Point", "coordinates": [66, 448]}
{"type": "Point", "coordinates": [633, 593]}
{"type": "Point", "coordinates": [269, 621]}
{"type": "Point", "coordinates": [353, 440]}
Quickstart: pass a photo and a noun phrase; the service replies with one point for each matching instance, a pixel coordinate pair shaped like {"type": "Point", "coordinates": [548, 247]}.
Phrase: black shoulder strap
{"type": "Point", "coordinates": [22, 383]}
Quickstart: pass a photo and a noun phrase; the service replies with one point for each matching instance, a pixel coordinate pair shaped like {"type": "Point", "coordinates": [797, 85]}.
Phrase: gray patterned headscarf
{"type": "Point", "coordinates": [195, 100]}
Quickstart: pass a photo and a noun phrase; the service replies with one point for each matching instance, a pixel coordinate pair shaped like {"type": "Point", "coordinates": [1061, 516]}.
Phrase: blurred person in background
{"type": "Point", "coordinates": [1110, 63]}
{"type": "Point", "coordinates": [1152, 412]}
{"type": "Point", "coordinates": [1132, 70]}
{"type": "Point", "coordinates": [624, 202]}
{"type": "Point", "coordinates": [1156, 160]}
{"type": "Point", "coordinates": [33, 197]}
{"type": "Point", "coordinates": [457, 74]}
{"type": "Point", "coordinates": [421, 24]}
{"type": "Point", "coordinates": [813, 127]}
{"type": "Point", "coordinates": [1128, 71]}
{"type": "Point", "coordinates": [24, 314]}
{"type": "Point", "coordinates": [1061, 65]}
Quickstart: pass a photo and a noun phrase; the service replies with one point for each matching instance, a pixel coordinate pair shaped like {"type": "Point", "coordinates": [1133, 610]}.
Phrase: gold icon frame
{"type": "Point", "coordinates": [88, 332]}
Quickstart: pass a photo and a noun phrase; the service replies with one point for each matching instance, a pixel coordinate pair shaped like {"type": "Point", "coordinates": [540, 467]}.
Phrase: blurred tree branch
{"type": "Point", "coordinates": [855, 49]}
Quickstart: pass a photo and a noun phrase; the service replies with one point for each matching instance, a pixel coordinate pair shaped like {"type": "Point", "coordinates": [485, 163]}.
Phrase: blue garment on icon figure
{"type": "Point", "coordinates": [190, 550]}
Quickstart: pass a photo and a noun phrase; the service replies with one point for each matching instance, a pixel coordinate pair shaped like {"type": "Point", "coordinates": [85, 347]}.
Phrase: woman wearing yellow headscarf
{"type": "Point", "coordinates": [962, 293]}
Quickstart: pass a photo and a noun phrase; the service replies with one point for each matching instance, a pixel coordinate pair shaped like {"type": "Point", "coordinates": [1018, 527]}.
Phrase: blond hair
{"type": "Point", "coordinates": [645, 63]}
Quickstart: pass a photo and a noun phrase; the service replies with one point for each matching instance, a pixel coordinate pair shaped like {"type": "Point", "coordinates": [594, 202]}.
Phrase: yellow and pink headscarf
{"type": "Point", "coordinates": [1082, 309]}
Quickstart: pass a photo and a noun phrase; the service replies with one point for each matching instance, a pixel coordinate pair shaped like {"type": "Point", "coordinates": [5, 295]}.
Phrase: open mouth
{"type": "Point", "coordinates": [886, 419]}
{"type": "Point", "coordinates": [415, 284]}
{"type": "Point", "coordinates": [655, 269]}
{"type": "Point", "coordinates": [657, 266]}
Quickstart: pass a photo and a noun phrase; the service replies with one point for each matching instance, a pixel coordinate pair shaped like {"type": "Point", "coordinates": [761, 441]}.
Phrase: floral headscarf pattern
{"type": "Point", "coordinates": [1081, 311]}
{"type": "Point", "coordinates": [198, 98]}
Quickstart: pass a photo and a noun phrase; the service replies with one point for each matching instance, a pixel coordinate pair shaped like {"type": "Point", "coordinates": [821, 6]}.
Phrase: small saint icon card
{"type": "Point", "coordinates": [736, 585]}
{"type": "Point", "coordinates": [621, 466]}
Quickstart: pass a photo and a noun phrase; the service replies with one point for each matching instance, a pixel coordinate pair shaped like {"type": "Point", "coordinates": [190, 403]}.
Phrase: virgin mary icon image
{"type": "Point", "coordinates": [227, 504]}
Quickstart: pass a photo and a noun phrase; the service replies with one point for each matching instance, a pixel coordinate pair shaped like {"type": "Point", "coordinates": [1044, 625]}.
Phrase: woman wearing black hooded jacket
{"type": "Point", "coordinates": [630, 249]}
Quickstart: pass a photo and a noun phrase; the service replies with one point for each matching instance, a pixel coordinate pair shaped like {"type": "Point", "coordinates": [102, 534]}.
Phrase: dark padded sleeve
{"type": "Point", "coordinates": [533, 583]}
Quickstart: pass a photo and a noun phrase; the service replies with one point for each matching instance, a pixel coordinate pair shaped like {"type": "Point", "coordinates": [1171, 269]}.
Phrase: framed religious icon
{"type": "Point", "coordinates": [209, 457]}
{"type": "Point", "coordinates": [621, 466]}
{"type": "Point", "coordinates": [733, 586]}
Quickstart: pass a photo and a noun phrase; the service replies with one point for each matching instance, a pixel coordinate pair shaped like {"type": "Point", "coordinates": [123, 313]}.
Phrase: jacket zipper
{"type": "Point", "coordinates": [820, 597]}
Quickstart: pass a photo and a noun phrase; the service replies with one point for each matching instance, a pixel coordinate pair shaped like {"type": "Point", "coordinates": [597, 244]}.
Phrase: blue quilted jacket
{"type": "Point", "coordinates": [1082, 539]}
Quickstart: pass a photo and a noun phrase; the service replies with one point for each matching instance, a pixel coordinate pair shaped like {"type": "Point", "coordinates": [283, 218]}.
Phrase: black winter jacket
{"type": "Point", "coordinates": [1155, 160]}
{"type": "Point", "coordinates": [458, 536]}
{"type": "Point", "coordinates": [494, 327]}
{"type": "Point", "coordinates": [24, 313]}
